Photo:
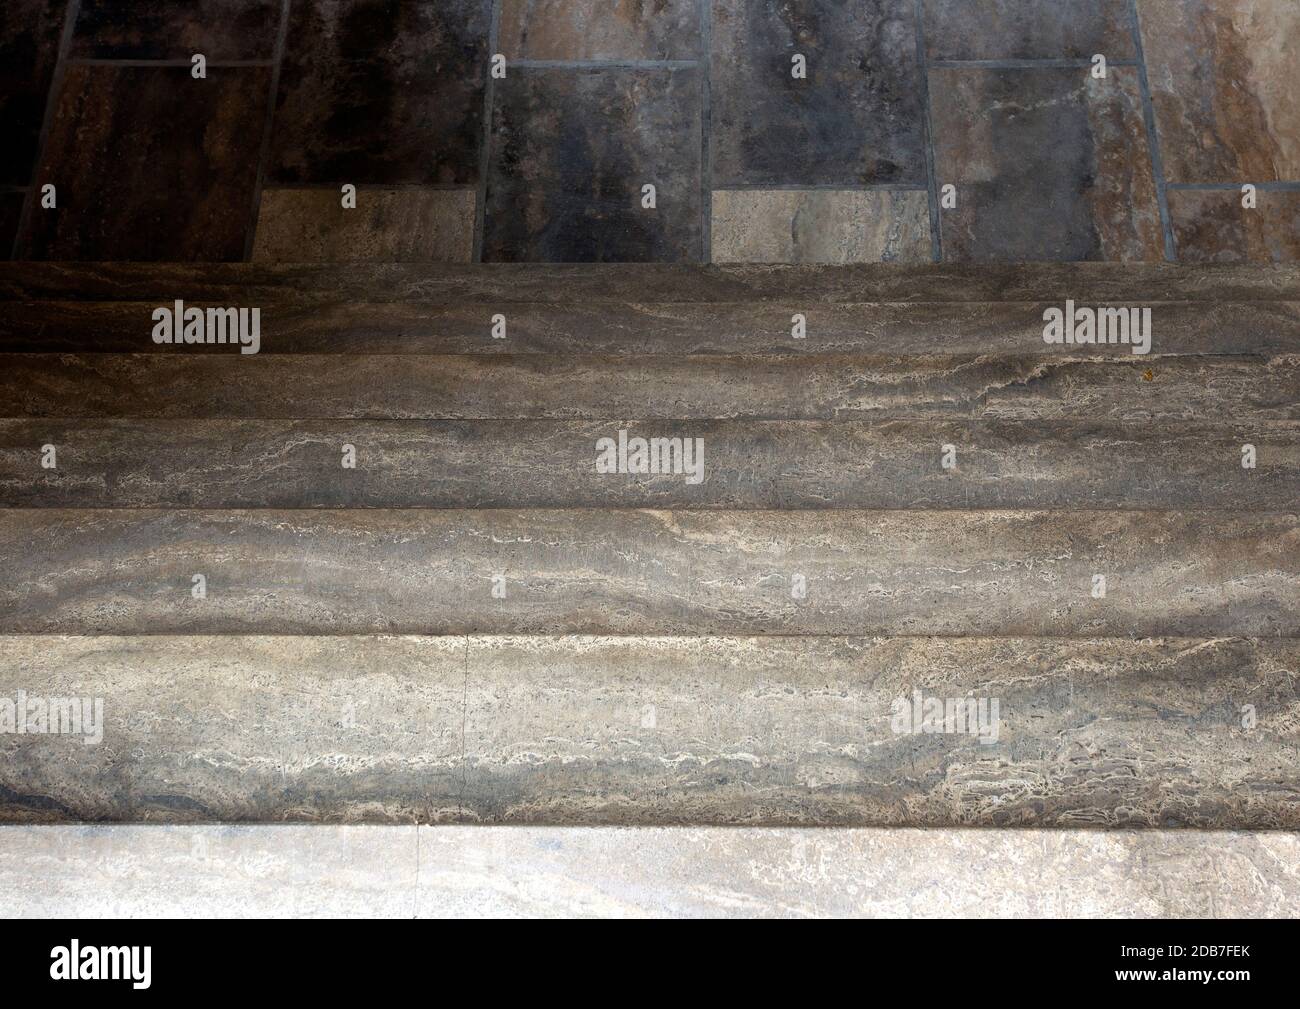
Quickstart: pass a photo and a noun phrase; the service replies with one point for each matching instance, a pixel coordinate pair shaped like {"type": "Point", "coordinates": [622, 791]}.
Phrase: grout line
{"type": "Point", "coordinates": [1031, 64]}
{"type": "Point", "coordinates": [603, 64]}
{"type": "Point", "coordinates": [829, 187]}
{"type": "Point", "coordinates": [485, 145]}
{"type": "Point", "coordinates": [1281, 187]}
{"type": "Point", "coordinates": [927, 138]}
{"type": "Point", "coordinates": [186, 62]}
{"type": "Point", "coordinates": [281, 41]}
{"type": "Point", "coordinates": [1153, 138]}
{"type": "Point", "coordinates": [706, 131]}
{"type": "Point", "coordinates": [71, 14]}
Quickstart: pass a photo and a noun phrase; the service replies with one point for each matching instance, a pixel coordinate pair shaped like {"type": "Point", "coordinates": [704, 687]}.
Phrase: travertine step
{"type": "Point", "coordinates": [658, 730]}
{"type": "Point", "coordinates": [812, 387]}
{"type": "Point", "coordinates": [781, 465]}
{"type": "Point", "coordinates": [651, 572]}
{"type": "Point", "coordinates": [652, 328]}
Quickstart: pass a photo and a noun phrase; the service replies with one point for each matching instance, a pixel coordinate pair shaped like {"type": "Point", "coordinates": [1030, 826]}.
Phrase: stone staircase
{"type": "Point", "coordinates": [916, 500]}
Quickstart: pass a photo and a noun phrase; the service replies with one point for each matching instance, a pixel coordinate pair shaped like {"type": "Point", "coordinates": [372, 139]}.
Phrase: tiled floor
{"type": "Point", "coordinates": [771, 130]}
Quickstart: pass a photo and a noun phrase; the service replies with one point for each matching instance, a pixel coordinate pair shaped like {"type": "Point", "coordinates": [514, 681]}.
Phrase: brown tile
{"type": "Point", "coordinates": [1027, 29]}
{"type": "Point", "coordinates": [176, 29]}
{"type": "Point", "coordinates": [855, 119]}
{"type": "Point", "coordinates": [571, 150]}
{"type": "Point", "coordinates": [382, 93]}
{"type": "Point", "coordinates": [1212, 226]}
{"type": "Point", "coordinates": [600, 29]}
{"type": "Point", "coordinates": [1049, 164]}
{"type": "Point", "coordinates": [820, 226]}
{"type": "Point", "coordinates": [29, 50]}
{"type": "Point", "coordinates": [1225, 83]}
{"type": "Point", "coordinates": [151, 164]}
{"type": "Point", "coordinates": [387, 225]}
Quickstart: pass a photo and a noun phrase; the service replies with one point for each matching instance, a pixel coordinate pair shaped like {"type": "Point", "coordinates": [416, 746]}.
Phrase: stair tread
{"type": "Point", "coordinates": [643, 327]}
{"type": "Point", "coordinates": [661, 730]}
{"type": "Point", "coordinates": [551, 464]}
{"type": "Point", "coordinates": [817, 386]}
{"type": "Point", "coordinates": [640, 572]}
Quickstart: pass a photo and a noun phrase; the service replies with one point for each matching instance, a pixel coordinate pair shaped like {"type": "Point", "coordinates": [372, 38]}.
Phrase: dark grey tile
{"type": "Point", "coordinates": [571, 151]}
{"type": "Point", "coordinates": [1049, 164]}
{"type": "Point", "coordinates": [151, 164]}
{"type": "Point", "coordinates": [29, 51]}
{"type": "Point", "coordinates": [176, 29]}
{"type": "Point", "coordinates": [1027, 29]}
{"type": "Point", "coordinates": [382, 93]}
{"type": "Point", "coordinates": [855, 119]}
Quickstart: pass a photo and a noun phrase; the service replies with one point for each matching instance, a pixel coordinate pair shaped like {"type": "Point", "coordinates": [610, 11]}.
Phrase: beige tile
{"type": "Point", "coordinates": [820, 226]}
{"type": "Point", "coordinates": [388, 225]}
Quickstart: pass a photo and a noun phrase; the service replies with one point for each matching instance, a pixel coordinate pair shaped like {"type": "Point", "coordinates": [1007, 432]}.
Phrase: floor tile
{"type": "Point", "coordinates": [600, 29]}
{"type": "Point", "coordinates": [820, 226]}
{"type": "Point", "coordinates": [151, 164]}
{"type": "Point", "coordinates": [29, 50]}
{"type": "Point", "coordinates": [1049, 164]}
{"type": "Point", "coordinates": [1027, 29]}
{"type": "Point", "coordinates": [11, 208]}
{"type": "Point", "coordinates": [387, 225]}
{"type": "Point", "coordinates": [855, 119]}
{"type": "Point", "coordinates": [176, 29]}
{"type": "Point", "coordinates": [379, 93]}
{"type": "Point", "coordinates": [1211, 226]}
{"type": "Point", "coordinates": [571, 151]}
{"type": "Point", "coordinates": [1225, 84]}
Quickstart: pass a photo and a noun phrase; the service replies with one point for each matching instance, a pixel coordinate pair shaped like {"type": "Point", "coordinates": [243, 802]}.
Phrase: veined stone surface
{"type": "Point", "coordinates": [643, 572]}
{"type": "Point", "coordinates": [658, 730]}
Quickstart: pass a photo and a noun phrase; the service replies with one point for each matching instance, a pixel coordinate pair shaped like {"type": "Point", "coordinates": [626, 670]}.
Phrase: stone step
{"type": "Point", "coordinates": [1027, 573]}
{"type": "Point", "coordinates": [781, 465]}
{"type": "Point", "coordinates": [659, 730]}
{"type": "Point", "coordinates": [812, 387]}
{"type": "Point", "coordinates": [642, 328]}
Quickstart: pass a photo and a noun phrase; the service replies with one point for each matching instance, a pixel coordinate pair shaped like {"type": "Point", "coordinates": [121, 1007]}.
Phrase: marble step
{"type": "Point", "coordinates": [262, 284]}
{"type": "Point", "coordinates": [1027, 573]}
{"type": "Point", "coordinates": [812, 387]}
{"type": "Point", "coordinates": [655, 328]}
{"type": "Point", "coordinates": [782, 465]}
{"type": "Point", "coordinates": [1191, 732]}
